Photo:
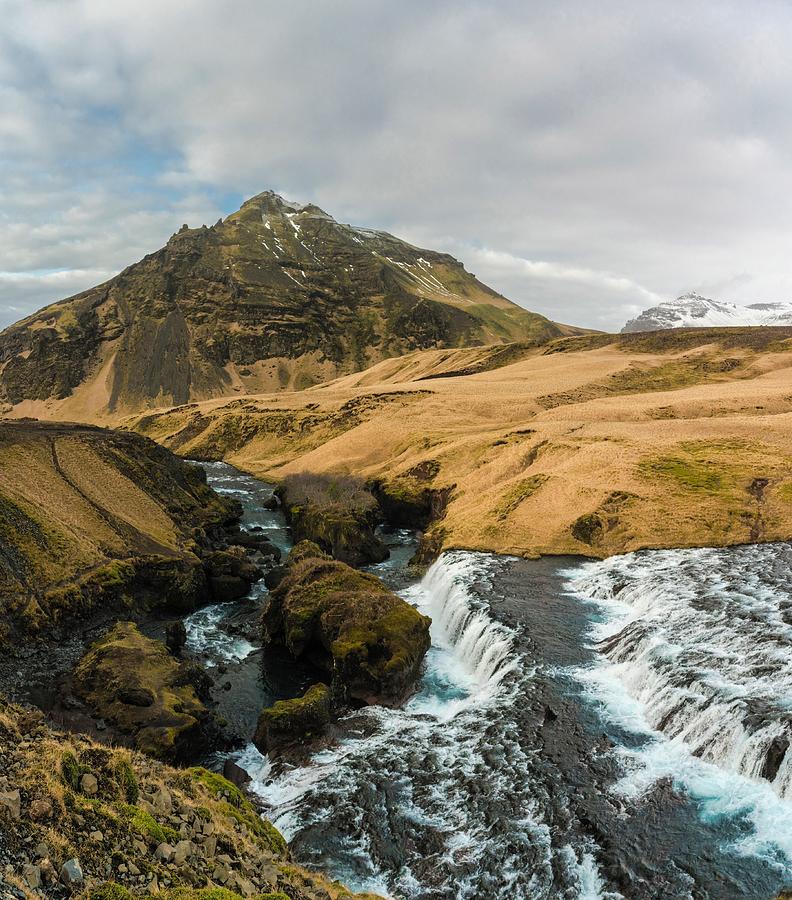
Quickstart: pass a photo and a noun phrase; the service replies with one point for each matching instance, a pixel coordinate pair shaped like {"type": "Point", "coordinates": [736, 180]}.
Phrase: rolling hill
{"type": "Point", "coordinates": [598, 444]}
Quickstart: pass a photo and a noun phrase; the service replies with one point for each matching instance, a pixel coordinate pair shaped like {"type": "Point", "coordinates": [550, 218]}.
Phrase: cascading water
{"type": "Point", "coordinates": [699, 649]}
{"type": "Point", "coordinates": [522, 767]}
{"type": "Point", "coordinates": [433, 800]}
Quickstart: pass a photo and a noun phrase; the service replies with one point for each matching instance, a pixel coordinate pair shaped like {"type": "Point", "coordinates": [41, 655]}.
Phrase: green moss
{"type": "Point", "coordinates": [126, 779]}
{"type": "Point", "coordinates": [271, 838]}
{"type": "Point", "coordinates": [71, 770]}
{"type": "Point", "coordinates": [108, 891]}
{"type": "Point", "coordinates": [116, 574]}
{"type": "Point", "coordinates": [298, 719]}
{"type": "Point", "coordinates": [687, 473]}
{"type": "Point", "coordinates": [146, 825]}
{"type": "Point", "coordinates": [207, 893]}
{"type": "Point", "coordinates": [217, 785]}
{"type": "Point", "coordinates": [235, 805]}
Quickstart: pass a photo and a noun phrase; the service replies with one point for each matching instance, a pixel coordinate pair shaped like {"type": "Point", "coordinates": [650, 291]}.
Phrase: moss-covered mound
{"type": "Point", "coordinates": [109, 824]}
{"type": "Point", "coordinates": [336, 512]}
{"type": "Point", "coordinates": [369, 641]}
{"type": "Point", "coordinates": [132, 682]}
{"type": "Point", "coordinates": [294, 721]}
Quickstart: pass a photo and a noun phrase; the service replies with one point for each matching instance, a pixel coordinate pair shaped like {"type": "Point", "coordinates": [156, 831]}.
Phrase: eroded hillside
{"type": "Point", "coordinates": [93, 519]}
{"type": "Point", "coordinates": [595, 444]}
{"type": "Point", "coordinates": [276, 296]}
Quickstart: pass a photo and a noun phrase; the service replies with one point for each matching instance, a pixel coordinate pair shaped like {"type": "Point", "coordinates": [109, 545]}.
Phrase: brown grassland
{"type": "Point", "coordinates": [596, 444]}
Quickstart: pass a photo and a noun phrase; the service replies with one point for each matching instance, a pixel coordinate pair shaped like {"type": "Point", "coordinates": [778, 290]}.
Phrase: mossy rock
{"type": "Point", "coordinates": [133, 682]}
{"type": "Point", "coordinates": [408, 502]}
{"type": "Point", "coordinates": [338, 513]}
{"type": "Point", "coordinates": [294, 721]}
{"type": "Point", "coordinates": [370, 642]}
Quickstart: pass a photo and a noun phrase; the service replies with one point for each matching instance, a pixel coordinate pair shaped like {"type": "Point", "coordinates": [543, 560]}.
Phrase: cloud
{"type": "Point", "coordinates": [623, 148]}
{"type": "Point", "coordinates": [547, 287]}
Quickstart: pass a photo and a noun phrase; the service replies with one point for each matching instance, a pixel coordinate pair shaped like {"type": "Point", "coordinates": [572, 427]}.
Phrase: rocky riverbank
{"type": "Point", "coordinates": [77, 817]}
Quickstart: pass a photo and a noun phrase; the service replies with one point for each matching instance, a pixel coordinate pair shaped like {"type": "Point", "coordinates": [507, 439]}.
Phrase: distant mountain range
{"type": "Point", "coordinates": [694, 311]}
{"type": "Point", "coordinates": [277, 296]}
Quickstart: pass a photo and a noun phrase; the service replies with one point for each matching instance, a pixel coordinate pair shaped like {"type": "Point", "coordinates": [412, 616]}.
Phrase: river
{"type": "Point", "coordinates": [582, 729]}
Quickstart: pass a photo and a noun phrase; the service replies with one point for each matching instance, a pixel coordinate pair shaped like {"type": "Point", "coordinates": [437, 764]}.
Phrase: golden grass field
{"type": "Point", "coordinates": [595, 444]}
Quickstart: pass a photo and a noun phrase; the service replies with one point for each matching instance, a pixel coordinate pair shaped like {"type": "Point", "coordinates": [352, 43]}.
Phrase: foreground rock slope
{"type": "Point", "coordinates": [275, 296]}
{"type": "Point", "coordinates": [83, 819]}
{"type": "Point", "coordinates": [597, 444]}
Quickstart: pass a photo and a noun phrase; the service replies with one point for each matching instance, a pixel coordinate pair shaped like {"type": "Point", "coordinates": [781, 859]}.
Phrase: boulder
{"type": "Point", "coordinates": [164, 852]}
{"type": "Point", "coordinates": [121, 670]}
{"type": "Point", "coordinates": [294, 721]}
{"type": "Point", "coordinates": [370, 642]}
{"type": "Point", "coordinates": [88, 784]}
{"type": "Point", "coordinates": [71, 874]}
{"type": "Point", "coordinates": [236, 775]}
{"type": "Point", "coordinates": [32, 876]}
{"type": "Point", "coordinates": [259, 542]}
{"type": "Point", "coordinates": [40, 809]}
{"type": "Point", "coordinates": [11, 803]}
{"type": "Point", "coordinates": [230, 574]}
{"type": "Point", "coordinates": [175, 637]}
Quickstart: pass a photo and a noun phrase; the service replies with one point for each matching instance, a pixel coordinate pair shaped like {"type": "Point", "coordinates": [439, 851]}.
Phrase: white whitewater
{"type": "Point", "coordinates": [697, 651]}
{"type": "Point", "coordinates": [481, 647]}
{"type": "Point", "coordinates": [205, 632]}
{"type": "Point", "coordinates": [429, 773]}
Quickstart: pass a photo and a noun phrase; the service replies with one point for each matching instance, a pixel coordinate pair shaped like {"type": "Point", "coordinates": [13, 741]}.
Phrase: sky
{"type": "Point", "coordinates": [586, 160]}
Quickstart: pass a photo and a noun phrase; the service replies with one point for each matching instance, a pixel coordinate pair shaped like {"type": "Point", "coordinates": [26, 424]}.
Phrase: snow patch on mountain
{"type": "Point", "coordinates": [694, 311]}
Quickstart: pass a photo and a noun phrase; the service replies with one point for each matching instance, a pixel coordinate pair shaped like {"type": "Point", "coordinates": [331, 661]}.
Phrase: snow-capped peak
{"type": "Point", "coordinates": [691, 310]}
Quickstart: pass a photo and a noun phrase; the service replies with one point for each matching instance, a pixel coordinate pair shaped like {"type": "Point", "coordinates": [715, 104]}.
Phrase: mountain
{"type": "Point", "coordinates": [694, 311]}
{"type": "Point", "coordinates": [276, 296]}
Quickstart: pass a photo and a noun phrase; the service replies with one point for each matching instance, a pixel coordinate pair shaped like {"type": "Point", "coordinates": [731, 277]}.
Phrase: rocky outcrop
{"type": "Point", "coordinates": [230, 573]}
{"type": "Point", "coordinates": [100, 522]}
{"type": "Point", "coordinates": [368, 641]}
{"type": "Point", "coordinates": [336, 512]}
{"type": "Point", "coordinates": [295, 721]}
{"type": "Point", "coordinates": [134, 684]}
{"type": "Point", "coordinates": [275, 296]}
{"type": "Point", "coordinates": [409, 500]}
{"type": "Point", "coordinates": [110, 824]}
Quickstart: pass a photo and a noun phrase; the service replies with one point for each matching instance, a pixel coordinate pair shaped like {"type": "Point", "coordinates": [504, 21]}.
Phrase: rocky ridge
{"type": "Point", "coordinates": [79, 818]}
{"type": "Point", "coordinates": [691, 310]}
{"type": "Point", "coordinates": [100, 522]}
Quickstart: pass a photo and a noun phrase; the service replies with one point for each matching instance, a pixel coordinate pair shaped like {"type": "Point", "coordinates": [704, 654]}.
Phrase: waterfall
{"type": "Point", "coordinates": [483, 648]}
{"type": "Point", "coordinates": [703, 640]}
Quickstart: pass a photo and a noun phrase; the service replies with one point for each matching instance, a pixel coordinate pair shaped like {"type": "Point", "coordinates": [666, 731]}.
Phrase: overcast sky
{"type": "Point", "coordinates": [585, 159]}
